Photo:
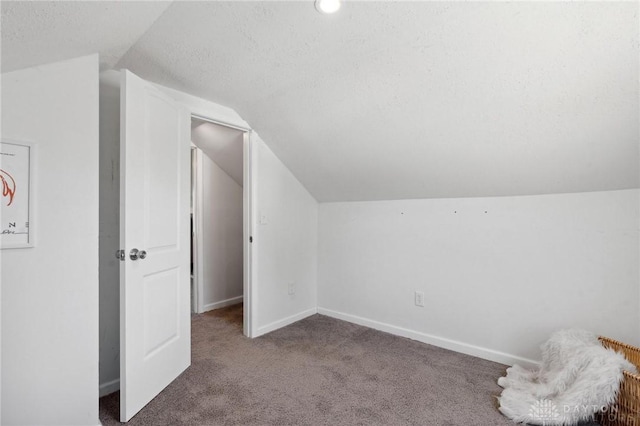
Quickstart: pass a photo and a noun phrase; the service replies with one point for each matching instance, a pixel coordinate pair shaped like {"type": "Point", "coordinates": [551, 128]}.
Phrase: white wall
{"type": "Point", "coordinates": [286, 244]}
{"type": "Point", "coordinates": [222, 236]}
{"type": "Point", "coordinates": [285, 248]}
{"type": "Point", "coordinates": [499, 274]}
{"type": "Point", "coordinates": [50, 292]}
{"type": "Point", "coordinates": [109, 232]}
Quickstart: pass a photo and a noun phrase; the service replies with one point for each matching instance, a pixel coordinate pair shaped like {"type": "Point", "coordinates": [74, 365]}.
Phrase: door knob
{"type": "Point", "coordinates": [134, 254]}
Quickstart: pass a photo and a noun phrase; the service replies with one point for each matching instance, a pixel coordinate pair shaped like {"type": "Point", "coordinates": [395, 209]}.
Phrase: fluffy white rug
{"type": "Point", "coordinates": [578, 377]}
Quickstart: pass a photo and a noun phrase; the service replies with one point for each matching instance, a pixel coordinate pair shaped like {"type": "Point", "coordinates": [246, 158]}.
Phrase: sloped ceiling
{"type": "Point", "coordinates": [387, 100]}
{"type": "Point", "coordinates": [35, 33]}
{"type": "Point", "coordinates": [222, 145]}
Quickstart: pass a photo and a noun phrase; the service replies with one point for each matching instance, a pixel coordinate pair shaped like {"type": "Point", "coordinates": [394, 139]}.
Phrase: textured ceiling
{"type": "Point", "coordinates": [388, 100]}
{"type": "Point", "coordinates": [37, 32]}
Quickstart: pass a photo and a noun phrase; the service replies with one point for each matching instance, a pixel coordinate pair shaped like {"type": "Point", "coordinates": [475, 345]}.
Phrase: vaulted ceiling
{"type": "Point", "coordinates": [221, 144]}
{"type": "Point", "coordinates": [385, 100]}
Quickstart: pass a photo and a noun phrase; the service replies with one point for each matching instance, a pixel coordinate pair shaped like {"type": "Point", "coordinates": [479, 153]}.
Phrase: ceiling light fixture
{"type": "Point", "coordinates": [327, 6]}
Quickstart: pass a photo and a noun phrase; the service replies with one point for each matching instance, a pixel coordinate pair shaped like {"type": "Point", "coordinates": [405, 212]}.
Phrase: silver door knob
{"type": "Point", "coordinates": [134, 254]}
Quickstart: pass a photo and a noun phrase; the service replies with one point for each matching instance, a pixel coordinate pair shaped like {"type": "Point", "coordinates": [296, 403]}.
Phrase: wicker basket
{"type": "Point", "coordinates": [626, 411]}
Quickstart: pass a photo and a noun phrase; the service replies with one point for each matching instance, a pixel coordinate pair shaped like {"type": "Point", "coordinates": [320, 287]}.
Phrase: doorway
{"type": "Point", "coordinates": [217, 220]}
{"type": "Point", "coordinates": [122, 102]}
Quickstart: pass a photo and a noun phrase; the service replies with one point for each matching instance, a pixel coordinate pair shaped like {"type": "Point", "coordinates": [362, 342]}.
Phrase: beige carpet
{"type": "Point", "coordinates": [319, 371]}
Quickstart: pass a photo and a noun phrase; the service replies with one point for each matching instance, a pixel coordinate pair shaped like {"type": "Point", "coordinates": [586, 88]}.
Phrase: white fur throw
{"type": "Point", "coordinates": [578, 377]}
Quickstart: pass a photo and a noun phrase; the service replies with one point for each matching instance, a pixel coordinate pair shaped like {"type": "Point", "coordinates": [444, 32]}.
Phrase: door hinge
{"type": "Point", "coordinates": [120, 254]}
{"type": "Point", "coordinates": [250, 239]}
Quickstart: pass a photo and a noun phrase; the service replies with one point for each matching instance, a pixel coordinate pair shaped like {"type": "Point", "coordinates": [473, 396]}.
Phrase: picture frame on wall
{"type": "Point", "coordinates": [17, 196]}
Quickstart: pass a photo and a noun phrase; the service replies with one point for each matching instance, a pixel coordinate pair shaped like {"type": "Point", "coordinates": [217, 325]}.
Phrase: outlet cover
{"type": "Point", "coordinates": [292, 288]}
{"type": "Point", "coordinates": [419, 298]}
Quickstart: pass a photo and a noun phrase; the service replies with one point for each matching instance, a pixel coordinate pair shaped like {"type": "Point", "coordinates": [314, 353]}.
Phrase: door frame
{"type": "Point", "coordinates": [196, 231]}
{"type": "Point", "coordinates": [248, 209]}
{"type": "Point", "coordinates": [249, 214]}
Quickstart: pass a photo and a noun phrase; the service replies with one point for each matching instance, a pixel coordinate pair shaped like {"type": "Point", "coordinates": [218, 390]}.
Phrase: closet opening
{"type": "Point", "coordinates": [217, 205]}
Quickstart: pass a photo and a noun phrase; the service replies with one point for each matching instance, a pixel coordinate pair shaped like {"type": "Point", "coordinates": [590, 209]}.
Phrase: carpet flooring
{"type": "Point", "coordinates": [318, 371]}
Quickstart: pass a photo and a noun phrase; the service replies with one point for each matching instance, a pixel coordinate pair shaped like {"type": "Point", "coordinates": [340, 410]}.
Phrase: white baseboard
{"type": "Point", "coordinates": [222, 304]}
{"type": "Point", "coordinates": [109, 387]}
{"type": "Point", "coordinates": [454, 345]}
{"type": "Point", "coordinates": [285, 321]}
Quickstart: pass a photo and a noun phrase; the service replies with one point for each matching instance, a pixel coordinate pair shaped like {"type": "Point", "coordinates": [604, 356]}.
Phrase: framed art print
{"type": "Point", "coordinates": [17, 180]}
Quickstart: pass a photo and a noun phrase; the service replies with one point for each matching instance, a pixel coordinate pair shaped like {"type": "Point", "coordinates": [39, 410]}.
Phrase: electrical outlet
{"type": "Point", "coordinates": [292, 288]}
{"type": "Point", "coordinates": [419, 298]}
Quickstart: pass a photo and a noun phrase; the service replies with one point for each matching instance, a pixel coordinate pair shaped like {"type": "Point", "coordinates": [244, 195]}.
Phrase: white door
{"type": "Point", "coordinates": [155, 338]}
